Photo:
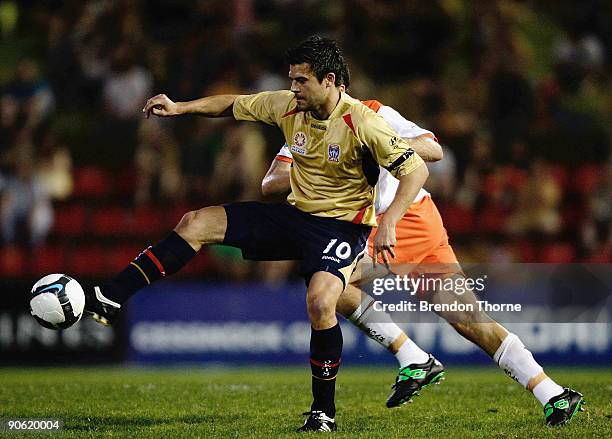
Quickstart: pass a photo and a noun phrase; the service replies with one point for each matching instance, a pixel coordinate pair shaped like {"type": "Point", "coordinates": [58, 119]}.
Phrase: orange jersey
{"type": "Point", "coordinates": [421, 237]}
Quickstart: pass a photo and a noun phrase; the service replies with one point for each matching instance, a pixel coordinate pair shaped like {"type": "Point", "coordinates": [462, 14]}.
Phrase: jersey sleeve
{"type": "Point", "coordinates": [388, 149]}
{"type": "Point", "coordinates": [404, 127]}
{"type": "Point", "coordinates": [284, 155]}
{"type": "Point", "coordinates": [268, 107]}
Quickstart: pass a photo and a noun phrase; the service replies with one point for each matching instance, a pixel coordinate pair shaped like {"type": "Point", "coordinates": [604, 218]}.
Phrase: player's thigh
{"type": "Point", "coordinates": [264, 232]}
{"type": "Point", "coordinates": [332, 246]}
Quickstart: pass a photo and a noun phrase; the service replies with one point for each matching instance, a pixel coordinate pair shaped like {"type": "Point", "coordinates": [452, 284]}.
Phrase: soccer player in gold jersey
{"type": "Point", "coordinates": [327, 218]}
{"type": "Point", "coordinates": [422, 246]}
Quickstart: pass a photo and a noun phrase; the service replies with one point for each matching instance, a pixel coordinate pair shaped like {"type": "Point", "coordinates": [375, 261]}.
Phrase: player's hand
{"type": "Point", "coordinates": [384, 242]}
{"type": "Point", "coordinates": [162, 106]}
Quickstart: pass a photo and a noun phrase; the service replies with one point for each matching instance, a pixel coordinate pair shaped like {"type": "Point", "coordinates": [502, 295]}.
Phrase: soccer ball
{"type": "Point", "coordinates": [57, 301]}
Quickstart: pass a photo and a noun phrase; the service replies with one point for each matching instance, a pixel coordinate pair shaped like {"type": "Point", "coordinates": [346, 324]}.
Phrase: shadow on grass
{"type": "Point", "coordinates": [96, 423]}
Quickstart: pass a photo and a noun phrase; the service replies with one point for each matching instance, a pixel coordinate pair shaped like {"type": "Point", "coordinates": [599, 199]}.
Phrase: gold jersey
{"type": "Point", "coordinates": [327, 176]}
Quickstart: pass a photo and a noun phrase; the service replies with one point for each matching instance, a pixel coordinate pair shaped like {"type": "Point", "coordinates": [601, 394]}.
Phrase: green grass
{"type": "Point", "coordinates": [266, 402]}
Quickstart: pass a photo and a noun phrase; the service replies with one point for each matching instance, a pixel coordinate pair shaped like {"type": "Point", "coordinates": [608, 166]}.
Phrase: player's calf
{"type": "Point", "coordinates": [153, 263]}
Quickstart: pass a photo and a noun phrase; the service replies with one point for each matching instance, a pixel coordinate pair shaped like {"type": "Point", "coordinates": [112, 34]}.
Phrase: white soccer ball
{"type": "Point", "coordinates": [57, 301]}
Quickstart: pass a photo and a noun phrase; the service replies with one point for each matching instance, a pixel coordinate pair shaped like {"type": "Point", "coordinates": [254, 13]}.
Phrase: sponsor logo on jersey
{"type": "Point", "coordinates": [298, 150]}
{"type": "Point", "coordinates": [393, 141]}
{"type": "Point", "coordinates": [333, 152]}
{"type": "Point", "coordinates": [319, 127]}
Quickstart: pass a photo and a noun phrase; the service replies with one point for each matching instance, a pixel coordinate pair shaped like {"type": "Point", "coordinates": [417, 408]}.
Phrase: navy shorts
{"type": "Point", "coordinates": [279, 231]}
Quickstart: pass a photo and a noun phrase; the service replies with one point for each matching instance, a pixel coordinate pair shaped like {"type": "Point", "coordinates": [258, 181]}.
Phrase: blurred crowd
{"type": "Point", "coordinates": [518, 92]}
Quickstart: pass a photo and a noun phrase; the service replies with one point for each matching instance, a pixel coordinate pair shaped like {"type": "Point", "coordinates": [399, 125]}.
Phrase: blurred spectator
{"type": "Point", "coordinates": [200, 140]}
{"type": "Point", "coordinates": [127, 87]}
{"type": "Point", "coordinates": [240, 166]}
{"type": "Point", "coordinates": [537, 210]}
{"type": "Point", "coordinates": [263, 79]}
{"type": "Point", "coordinates": [54, 167]}
{"type": "Point", "coordinates": [26, 214]}
{"type": "Point", "coordinates": [510, 108]}
{"type": "Point", "coordinates": [31, 95]}
{"type": "Point", "coordinates": [9, 117]}
{"type": "Point", "coordinates": [62, 66]}
{"type": "Point", "coordinates": [442, 180]}
{"type": "Point", "coordinates": [597, 227]}
{"type": "Point", "coordinates": [157, 164]}
{"type": "Point", "coordinates": [585, 50]}
{"type": "Point", "coordinates": [9, 14]}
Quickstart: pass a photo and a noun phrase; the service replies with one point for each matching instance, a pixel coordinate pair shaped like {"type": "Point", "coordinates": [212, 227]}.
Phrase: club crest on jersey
{"type": "Point", "coordinates": [299, 143]}
{"type": "Point", "coordinates": [333, 152]}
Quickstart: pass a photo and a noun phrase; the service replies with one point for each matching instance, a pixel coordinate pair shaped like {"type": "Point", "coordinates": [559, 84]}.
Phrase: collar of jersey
{"type": "Point", "coordinates": [341, 107]}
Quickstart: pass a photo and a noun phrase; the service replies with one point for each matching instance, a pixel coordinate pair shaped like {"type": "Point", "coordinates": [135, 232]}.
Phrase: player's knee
{"type": "Point", "coordinates": [321, 306]}
{"type": "Point", "coordinates": [203, 226]}
{"type": "Point", "coordinates": [187, 224]}
{"type": "Point", "coordinates": [187, 219]}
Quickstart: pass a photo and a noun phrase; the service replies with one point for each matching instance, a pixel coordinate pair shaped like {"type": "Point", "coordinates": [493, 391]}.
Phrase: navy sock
{"type": "Point", "coordinates": [325, 352]}
{"type": "Point", "coordinates": [166, 257]}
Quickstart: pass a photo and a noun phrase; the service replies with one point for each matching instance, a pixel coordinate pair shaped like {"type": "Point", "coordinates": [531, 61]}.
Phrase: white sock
{"type": "Point", "coordinates": [518, 362]}
{"type": "Point", "coordinates": [380, 327]}
{"type": "Point", "coordinates": [546, 390]}
{"type": "Point", "coordinates": [410, 353]}
{"type": "Point", "coordinates": [377, 325]}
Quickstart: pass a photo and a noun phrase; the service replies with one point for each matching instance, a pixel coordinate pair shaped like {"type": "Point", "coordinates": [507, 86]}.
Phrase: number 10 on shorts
{"type": "Point", "coordinates": [343, 249]}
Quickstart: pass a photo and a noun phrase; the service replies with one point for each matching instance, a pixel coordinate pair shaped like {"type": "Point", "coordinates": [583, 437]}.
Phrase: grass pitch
{"type": "Point", "coordinates": [266, 402]}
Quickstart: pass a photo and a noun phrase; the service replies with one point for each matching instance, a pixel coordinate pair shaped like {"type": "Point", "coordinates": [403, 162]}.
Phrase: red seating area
{"type": "Point", "coordinates": [92, 182]}
{"type": "Point", "coordinates": [98, 231]}
{"type": "Point", "coordinates": [104, 221]}
{"type": "Point", "coordinates": [90, 260]}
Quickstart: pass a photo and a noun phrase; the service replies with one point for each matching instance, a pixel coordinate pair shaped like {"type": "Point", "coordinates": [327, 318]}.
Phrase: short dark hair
{"type": "Point", "coordinates": [323, 55]}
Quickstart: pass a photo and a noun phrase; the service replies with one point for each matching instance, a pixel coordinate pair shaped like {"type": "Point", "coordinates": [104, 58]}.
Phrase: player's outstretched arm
{"type": "Point", "coordinates": [277, 180]}
{"type": "Point", "coordinates": [408, 188]}
{"type": "Point", "coordinates": [210, 106]}
{"type": "Point", "coordinates": [423, 142]}
{"type": "Point", "coordinates": [426, 146]}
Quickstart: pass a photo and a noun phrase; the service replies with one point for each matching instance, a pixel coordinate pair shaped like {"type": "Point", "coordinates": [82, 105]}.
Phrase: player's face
{"type": "Point", "coordinates": [310, 94]}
